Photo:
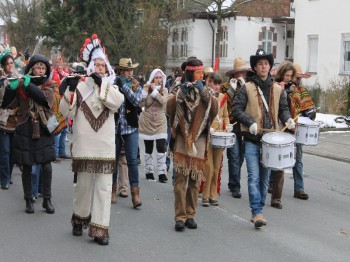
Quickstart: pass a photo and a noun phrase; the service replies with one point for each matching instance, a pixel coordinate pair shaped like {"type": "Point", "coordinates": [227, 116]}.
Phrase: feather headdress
{"type": "Point", "coordinates": [93, 49]}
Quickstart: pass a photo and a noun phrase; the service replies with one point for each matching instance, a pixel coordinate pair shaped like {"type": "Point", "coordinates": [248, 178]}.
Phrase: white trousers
{"type": "Point", "coordinates": [92, 195]}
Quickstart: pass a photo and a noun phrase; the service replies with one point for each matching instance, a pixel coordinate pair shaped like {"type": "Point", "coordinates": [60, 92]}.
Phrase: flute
{"type": "Point", "coordinates": [74, 76]}
{"type": "Point", "coordinates": [21, 77]}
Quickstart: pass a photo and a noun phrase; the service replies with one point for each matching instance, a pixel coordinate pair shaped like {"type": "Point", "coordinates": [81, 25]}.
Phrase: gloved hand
{"type": "Point", "coordinates": [310, 113]}
{"type": "Point", "coordinates": [233, 83]}
{"type": "Point", "coordinates": [72, 83]}
{"type": "Point", "coordinates": [26, 80]}
{"type": "Point", "coordinates": [290, 124]}
{"type": "Point", "coordinates": [13, 84]}
{"type": "Point", "coordinates": [212, 130]}
{"type": "Point", "coordinates": [253, 129]}
{"type": "Point", "coordinates": [185, 88]}
{"type": "Point", "coordinates": [119, 82]}
{"type": "Point", "coordinates": [229, 128]}
{"type": "Point", "coordinates": [241, 80]}
{"type": "Point", "coordinates": [123, 79]}
{"type": "Point", "coordinates": [97, 78]}
{"type": "Point", "coordinates": [199, 85]}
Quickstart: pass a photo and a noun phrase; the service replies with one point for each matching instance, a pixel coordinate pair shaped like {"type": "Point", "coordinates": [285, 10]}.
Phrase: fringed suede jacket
{"type": "Point", "coordinates": [190, 117]}
{"type": "Point", "coordinates": [93, 108]}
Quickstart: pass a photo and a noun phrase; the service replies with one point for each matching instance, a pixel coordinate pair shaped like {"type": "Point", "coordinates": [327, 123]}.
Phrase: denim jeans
{"type": "Point", "coordinates": [60, 143]}
{"type": "Point", "coordinates": [131, 143]}
{"type": "Point", "coordinates": [298, 169]}
{"type": "Point", "coordinates": [235, 158]}
{"type": "Point", "coordinates": [258, 177]}
{"type": "Point", "coordinates": [36, 171]}
{"type": "Point", "coordinates": [6, 165]}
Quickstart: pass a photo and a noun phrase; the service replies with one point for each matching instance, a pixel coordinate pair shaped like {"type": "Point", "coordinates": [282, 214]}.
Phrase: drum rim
{"type": "Point", "coordinates": [281, 133]}
{"type": "Point", "coordinates": [306, 125]}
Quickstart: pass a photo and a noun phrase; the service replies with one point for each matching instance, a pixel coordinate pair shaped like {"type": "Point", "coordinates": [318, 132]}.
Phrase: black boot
{"type": "Point", "coordinates": [103, 241]}
{"type": "Point", "coordinates": [77, 230]}
{"type": "Point", "coordinates": [29, 206]}
{"type": "Point", "coordinates": [48, 206]}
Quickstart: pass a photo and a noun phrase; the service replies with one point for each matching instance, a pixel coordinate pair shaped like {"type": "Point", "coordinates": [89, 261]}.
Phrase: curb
{"type": "Point", "coordinates": [334, 129]}
{"type": "Point", "coordinates": [327, 156]}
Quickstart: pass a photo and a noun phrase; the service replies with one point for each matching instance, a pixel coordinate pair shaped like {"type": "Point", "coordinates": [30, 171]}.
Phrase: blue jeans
{"type": "Point", "coordinates": [298, 169]}
{"type": "Point", "coordinates": [60, 143]}
{"type": "Point", "coordinates": [258, 177]}
{"type": "Point", "coordinates": [235, 158]}
{"type": "Point", "coordinates": [6, 165]}
{"type": "Point", "coordinates": [36, 171]}
{"type": "Point", "coordinates": [131, 144]}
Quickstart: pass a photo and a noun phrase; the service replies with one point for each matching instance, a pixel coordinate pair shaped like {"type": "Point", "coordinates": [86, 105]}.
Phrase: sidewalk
{"type": "Point", "coordinates": [333, 144]}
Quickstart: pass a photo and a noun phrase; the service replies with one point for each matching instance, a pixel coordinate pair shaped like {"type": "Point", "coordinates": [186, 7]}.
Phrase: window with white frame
{"type": "Point", "coordinates": [312, 53]}
{"type": "Point", "coordinates": [267, 39]}
{"type": "Point", "coordinates": [223, 42]}
{"type": "Point", "coordinates": [345, 53]}
{"type": "Point", "coordinates": [183, 42]}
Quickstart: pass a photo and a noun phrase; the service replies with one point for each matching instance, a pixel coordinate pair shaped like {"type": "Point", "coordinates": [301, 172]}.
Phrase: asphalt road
{"type": "Point", "coordinates": [314, 230]}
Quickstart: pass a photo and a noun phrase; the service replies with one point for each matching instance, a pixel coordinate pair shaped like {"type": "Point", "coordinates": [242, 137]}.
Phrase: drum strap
{"type": "Point", "coordinates": [263, 99]}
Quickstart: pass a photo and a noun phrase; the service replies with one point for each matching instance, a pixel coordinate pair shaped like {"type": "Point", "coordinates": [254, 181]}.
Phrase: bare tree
{"type": "Point", "coordinates": [220, 9]}
{"type": "Point", "coordinates": [22, 19]}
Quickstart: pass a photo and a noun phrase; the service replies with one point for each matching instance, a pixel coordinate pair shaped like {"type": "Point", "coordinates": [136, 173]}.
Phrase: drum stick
{"type": "Point", "coordinates": [295, 118]}
{"type": "Point", "coordinates": [267, 130]}
{"type": "Point", "coordinates": [234, 123]}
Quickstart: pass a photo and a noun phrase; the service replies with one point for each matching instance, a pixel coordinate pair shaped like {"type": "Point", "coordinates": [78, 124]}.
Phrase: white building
{"type": "Point", "coordinates": [322, 39]}
{"type": "Point", "coordinates": [241, 36]}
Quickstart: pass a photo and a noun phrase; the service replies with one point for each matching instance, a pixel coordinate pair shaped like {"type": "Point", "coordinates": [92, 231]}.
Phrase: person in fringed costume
{"type": "Point", "coordinates": [92, 104]}
{"type": "Point", "coordinates": [33, 142]}
{"type": "Point", "coordinates": [191, 111]}
{"type": "Point", "coordinates": [221, 123]}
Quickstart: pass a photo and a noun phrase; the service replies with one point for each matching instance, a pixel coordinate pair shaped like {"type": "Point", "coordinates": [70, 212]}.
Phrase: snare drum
{"type": "Point", "coordinates": [222, 139]}
{"type": "Point", "coordinates": [278, 150]}
{"type": "Point", "coordinates": [307, 131]}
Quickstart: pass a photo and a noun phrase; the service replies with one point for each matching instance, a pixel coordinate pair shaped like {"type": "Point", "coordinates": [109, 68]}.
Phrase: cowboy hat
{"type": "Point", "coordinates": [238, 66]}
{"type": "Point", "coordinates": [260, 54]}
{"type": "Point", "coordinates": [80, 69]}
{"type": "Point", "coordinates": [299, 72]}
{"type": "Point", "coordinates": [126, 63]}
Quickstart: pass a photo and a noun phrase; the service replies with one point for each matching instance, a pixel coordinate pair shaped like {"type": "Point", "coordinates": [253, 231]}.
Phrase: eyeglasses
{"type": "Point", "coordinates": [40, 67]}
{"type": "Point", "coordinates": [100, 65]}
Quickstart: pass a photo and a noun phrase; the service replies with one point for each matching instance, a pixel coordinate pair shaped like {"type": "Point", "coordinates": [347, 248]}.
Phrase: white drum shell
{"type": "Point", "coordinates": [280, 154]}
{"type": "Point", "coordinates": [307, 131]}
{"type": "Point", "coordinates": [222, 139]}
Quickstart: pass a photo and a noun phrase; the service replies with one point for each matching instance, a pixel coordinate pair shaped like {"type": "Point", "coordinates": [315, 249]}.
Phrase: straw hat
{"type": "Point", "coordinates": [208, 70]}
{"type": "Point", "coordinates": [238, 66]}
{"type": "Point", "coordinates": [126, 63]}
{"type": "Point", "coordinates": [299, 72]}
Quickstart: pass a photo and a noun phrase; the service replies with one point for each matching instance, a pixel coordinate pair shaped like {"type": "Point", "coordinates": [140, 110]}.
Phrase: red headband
{"type": "Point", "coordinates": [195, 68]}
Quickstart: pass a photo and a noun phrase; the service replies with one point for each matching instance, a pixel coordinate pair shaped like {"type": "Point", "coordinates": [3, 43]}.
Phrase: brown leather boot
{"type": "Point", "coordinates": [114, 193]}
{"type": "Point", "coordinates": [135, 196]}
{"type": "Point", "coordinates": [277, 188]}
